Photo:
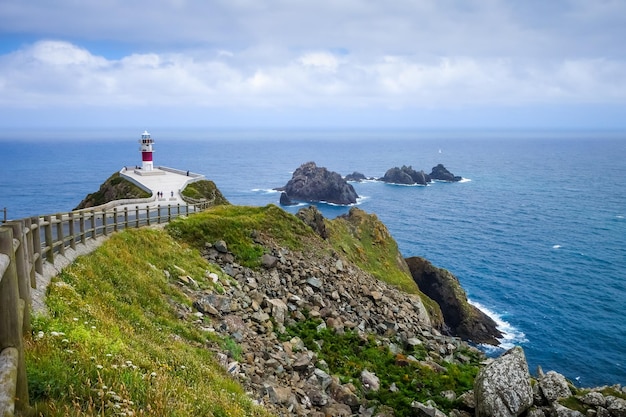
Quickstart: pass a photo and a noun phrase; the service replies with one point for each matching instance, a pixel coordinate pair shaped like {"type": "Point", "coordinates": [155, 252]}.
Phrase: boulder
{"type": "Point", "coordinates": [440, 173]}
{"type": "Point", "coordinates": [502, 388]}
{"type": "Point", "coordinates": [616, 406]}
{"type": "Point", "coordinates": [317, 184]}
{"type": "Point", "coordinates": [463, 319]}
{"type": "Point", "coordinates": [554, 386]}
{"type": "Point", "coordinates": [370, 381]}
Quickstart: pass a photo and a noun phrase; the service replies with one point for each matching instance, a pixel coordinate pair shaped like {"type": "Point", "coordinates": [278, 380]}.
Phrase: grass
{"type": "Point", "coordinates": [114, 343]}
{"type": "Point", "coordinates": [204, 190]}
{"type": "Point", "coordinates": [349, 353]}
{"type": "Point", "coordinates": [239, 227]}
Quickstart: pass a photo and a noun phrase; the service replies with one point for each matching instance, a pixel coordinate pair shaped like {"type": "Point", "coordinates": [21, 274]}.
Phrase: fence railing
{"type": "Point", "coordinates": [26, 247]}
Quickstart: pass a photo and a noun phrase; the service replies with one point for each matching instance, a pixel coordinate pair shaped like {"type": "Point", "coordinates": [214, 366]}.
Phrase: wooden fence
{"type": "Point", "coordinates": [29, 246]}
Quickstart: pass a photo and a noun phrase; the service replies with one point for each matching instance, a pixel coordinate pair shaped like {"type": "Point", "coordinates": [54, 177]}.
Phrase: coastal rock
{"type": "Point", "coordinates": [314, 218]}
{"type": "Point", "coordinates": [317, 184]}
{"type": "Point", "coordinates": [356, 177]}
{"type": "Point", "coordinates": [502, 388]}
{"type": "Point", "coordinates": [554, 386]}
{"type": "Point", "coordinates": [285, 200]}
{"type": "Point", "coordinates": [440, 173]}
{"type": "Point", "coordinates": [405, 176]}
{"type": "Point", "coordinates": [463, 319]}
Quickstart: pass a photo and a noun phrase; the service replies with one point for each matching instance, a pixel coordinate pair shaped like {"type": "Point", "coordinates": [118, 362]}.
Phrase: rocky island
{"type": "Point", "coordinates": [311, 183]}
{"type": "Point", "coordinates": [406, 175]}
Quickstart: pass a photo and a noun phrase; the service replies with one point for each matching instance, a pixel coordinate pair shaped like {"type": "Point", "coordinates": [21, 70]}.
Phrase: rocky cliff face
{"type": "Point", "coordinates": [313, 184]}
{"type": "Point", "coordinates": [114, 188]}
{"type": "Point", "coordinates": [463, 319]}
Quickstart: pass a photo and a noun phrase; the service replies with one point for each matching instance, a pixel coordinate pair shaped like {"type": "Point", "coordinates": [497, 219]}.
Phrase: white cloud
{"type": "Point", "coordinates": [54, 73]}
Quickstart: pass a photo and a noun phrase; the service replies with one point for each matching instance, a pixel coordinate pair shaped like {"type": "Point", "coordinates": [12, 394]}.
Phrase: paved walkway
{"type": "Point", "coordinates": [164, 180]}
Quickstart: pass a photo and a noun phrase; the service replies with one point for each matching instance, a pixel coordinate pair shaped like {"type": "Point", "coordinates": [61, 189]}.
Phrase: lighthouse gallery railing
{"type": "Point", "coordinates": [31, 245]}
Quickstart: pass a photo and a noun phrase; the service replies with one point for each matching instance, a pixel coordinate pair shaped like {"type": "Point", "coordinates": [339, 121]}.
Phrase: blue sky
{"type": "Point", "coordinates": [313, 63]}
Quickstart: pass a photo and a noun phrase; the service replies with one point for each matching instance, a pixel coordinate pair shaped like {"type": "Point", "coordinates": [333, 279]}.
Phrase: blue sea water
{"type": "Point", "coordinates": [536, 231]}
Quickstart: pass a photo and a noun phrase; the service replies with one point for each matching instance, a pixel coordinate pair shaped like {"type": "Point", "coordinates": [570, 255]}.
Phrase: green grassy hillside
{"type": "Point", "coordinates": [114, 343]}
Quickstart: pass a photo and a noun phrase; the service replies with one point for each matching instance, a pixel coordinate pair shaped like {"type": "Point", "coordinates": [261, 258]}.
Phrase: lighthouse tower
{"type": "Point", "coordinates": [146, 151]}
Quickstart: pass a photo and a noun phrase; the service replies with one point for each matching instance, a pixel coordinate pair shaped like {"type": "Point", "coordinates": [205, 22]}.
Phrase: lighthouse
{"type": "Point", "coordinates": [146, 151]}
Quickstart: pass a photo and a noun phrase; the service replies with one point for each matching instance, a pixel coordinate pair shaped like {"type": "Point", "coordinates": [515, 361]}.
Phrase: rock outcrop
{"type": "Point", "coordinates": [317, 184]}
{"type": "Point", "coordinates": [314, 219]}
{"type": "Point", "coordinates": [355, 177]}
{"type": "Point", "coordinates": [114, 188]}
{"type": "Point", "coordinates": [502, 388]}
{"type": "Point", "coordinates": [463, 319]}
{"type": "Point", "coordinates": [285, 200]}
{"type": "Point", "coordinates": [440, 173]}
{"type": "Point", "coordinates": [405, 176]}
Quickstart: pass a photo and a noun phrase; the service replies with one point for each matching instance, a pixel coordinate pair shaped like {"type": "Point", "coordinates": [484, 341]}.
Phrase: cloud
{"type": "Point", "coordinates": [318, 55]}
{"type": "Point", "coordinates": [58, 73]}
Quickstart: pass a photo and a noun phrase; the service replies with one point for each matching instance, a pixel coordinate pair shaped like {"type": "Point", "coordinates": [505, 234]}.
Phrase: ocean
{"type": "Point", "coordinates": [535, 232]}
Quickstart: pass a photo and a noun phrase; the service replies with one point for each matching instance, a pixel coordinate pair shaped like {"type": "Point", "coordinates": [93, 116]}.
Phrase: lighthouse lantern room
{"type": "Point", "coordinates": [146, 151]}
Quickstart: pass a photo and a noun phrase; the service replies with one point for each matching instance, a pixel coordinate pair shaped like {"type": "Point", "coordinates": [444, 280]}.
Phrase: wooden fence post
{"type": "Point", "coordinates": [49, 243]}
{"type": "Point", "coordinates": [72, 231]}
{"type": "Point", "coordinates": [10, 317]}
{"type": "Point", "coordinates": [21, 267]}
{"type": "Point", "coordinates": [30, 252]}
{"type": "Point", "coordinates": [104, 222]}
{"type": "Point", "coordinates": [60, 238]}
{"type": "Point", "coordinates": [81, 227]}
{"type": "Point", "coordinates": [35, 228]}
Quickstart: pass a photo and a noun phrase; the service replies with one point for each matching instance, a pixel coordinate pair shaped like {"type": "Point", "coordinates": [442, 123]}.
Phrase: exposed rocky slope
{"type": "Point", "coordinates": [114, 188]}
{"type": "Point", "coordinates": [312, 184]}
{"type": "Point", "coordinates": [256, 307]}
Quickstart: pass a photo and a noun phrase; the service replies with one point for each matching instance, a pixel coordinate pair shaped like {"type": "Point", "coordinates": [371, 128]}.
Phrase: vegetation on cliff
{"type": "Point", "coordinates": [115, 342]}
{"type": "Point", "coordinates": [115, 187]}
{"type": "Point", "coordinates": [204, 190]}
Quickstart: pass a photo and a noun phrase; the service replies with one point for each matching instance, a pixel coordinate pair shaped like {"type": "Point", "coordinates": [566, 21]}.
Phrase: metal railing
{"type": "Point", "coordinates": [26, 245]}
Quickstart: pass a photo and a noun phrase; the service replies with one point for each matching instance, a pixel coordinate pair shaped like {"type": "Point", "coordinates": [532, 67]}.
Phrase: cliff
{"type": "Point", "coordinates": [463, 319]}
{"type": "Point", "coordinates": [114, 188]}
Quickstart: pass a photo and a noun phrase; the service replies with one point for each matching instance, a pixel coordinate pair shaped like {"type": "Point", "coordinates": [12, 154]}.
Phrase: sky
{"type": "Point", "coordinates": [436, 64]}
